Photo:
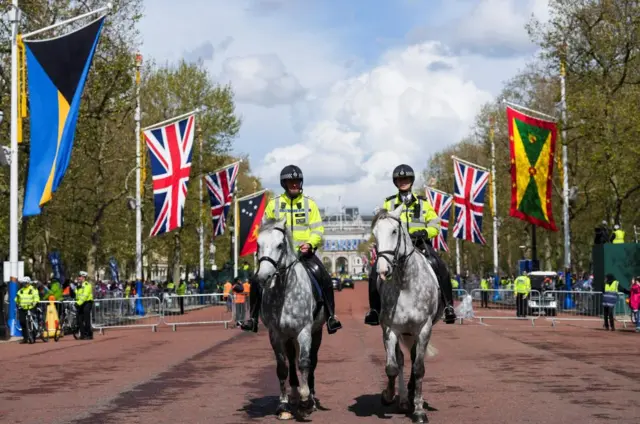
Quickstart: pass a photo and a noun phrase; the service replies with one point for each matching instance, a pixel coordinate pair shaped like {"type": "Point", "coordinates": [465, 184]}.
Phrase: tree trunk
{"type": "Point", "coordinates": [547, 252]}
{"type": "Point", "coordinates": [509, 255]}
{"type": "Point", "coordinates": [93, 251]}
{"type": "Point", "coordinates": [176, 258]}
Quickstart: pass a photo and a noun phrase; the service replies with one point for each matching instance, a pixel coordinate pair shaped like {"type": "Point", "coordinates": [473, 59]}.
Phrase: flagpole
{"type": "Point", "coordinates": [201, 230]}
{"type": "Point", "coordinates": [517, 106]}
{"type": "Point", "coordinates": [236, 221]}
{"type": "Point", "coordinates": [108, 7]}
{"type": "Point", "coordinates": [565, 181]}
{"type": "Point", "coordinates": [458, 259]}
{"type": "Point", "coordinates": [175, 118]}
{"type": "Point", "coordinates": [138, 138]}
{"type": "Point", "coordinates": [469, 163]}
{"type": "Point", "coordinates": [13, 195]}
{"type": "Point", "coordinates": [494, 206]}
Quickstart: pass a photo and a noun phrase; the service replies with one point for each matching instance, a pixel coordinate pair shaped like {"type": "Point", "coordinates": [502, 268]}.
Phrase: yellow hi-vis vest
{"type": "Point", "coordinates": [84, 293]}
{"type": "Point", "coordinates": [484, 284]}
{"type": "Point", "coordinates": [618, 237]}
{"type": "Point", "coordinates": [613, 287]}
{"type": "Point", "coordinates": [27, 298]}
{"type": "Point", "coordinates": [301, 215]}
{"type": "Point", "coordinates": [418, 215]}
{"type": "Point", "coordinates": [522, 285]}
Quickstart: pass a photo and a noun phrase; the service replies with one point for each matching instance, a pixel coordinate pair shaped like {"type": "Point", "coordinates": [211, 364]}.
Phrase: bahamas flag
{"type": "Point", "coordinates": [532, 144]}
{"type": "Point", "coordinates": [57, 70]}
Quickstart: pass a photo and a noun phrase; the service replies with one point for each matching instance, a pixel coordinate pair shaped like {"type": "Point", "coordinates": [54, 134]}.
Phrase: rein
{"type": "Point", "coordinates": [282, 270]}
{"type": "Point", "coordinates": [393, 256]}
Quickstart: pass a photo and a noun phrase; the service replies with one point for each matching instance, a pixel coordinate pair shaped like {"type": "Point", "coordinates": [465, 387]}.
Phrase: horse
{"type": "Point", "coordinates": [291, 314]}
{"type": "Point", "coordinates": [410, 300]}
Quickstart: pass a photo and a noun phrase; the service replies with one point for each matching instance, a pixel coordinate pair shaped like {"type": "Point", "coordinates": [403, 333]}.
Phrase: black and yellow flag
{"type": "Point", "coordinates": [57, 70]}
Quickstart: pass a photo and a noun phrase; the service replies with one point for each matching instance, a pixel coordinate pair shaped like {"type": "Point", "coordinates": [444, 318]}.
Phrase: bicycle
{"type": "Point", "coordinates": [68, 323]}
{"type": "Point", "coordinates": [35, 329]}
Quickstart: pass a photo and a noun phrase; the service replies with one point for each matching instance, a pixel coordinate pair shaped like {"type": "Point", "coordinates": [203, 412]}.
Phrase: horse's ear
{"type": "Point", "coordinates": [397, 212]}
{"type": "Point", "coordinates": [281, 223]}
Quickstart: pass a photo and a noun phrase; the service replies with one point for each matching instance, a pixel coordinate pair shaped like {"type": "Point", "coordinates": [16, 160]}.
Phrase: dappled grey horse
{"type": "Point", "coordinates": [291, 314]}
{"type": "Point", "coordinates": [411, 305]}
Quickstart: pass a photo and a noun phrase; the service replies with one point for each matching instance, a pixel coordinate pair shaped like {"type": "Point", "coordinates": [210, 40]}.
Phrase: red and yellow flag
{"type": "Point", "coordinates": [532, 144]}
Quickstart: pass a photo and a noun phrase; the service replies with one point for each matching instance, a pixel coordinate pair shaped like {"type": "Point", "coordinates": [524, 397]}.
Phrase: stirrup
{"type": "Point", "coordinates": [449, 315]}
{"type": "Point", "coordinates": [372, 318]}
{"type": "Point", "coordinates": [333, 325]}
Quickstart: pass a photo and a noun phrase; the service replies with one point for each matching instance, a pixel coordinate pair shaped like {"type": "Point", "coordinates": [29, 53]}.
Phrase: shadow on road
{"type": "Point", "coordinates": [266, 406]}
{"type": "Point", "coordinates": [370, 405]}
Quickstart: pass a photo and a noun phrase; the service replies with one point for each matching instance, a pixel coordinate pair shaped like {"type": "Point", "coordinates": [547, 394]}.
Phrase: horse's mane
{"type": "Point", "coordinates": [381, 214]}
{"type": "Point", "coordinates": [270, 224]}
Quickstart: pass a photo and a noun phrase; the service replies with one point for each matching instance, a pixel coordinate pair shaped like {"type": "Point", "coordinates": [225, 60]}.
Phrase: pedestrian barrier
{"type": "Point", "coordinates": [458, 297]}
{"type": "Point", "coordinates": [502, 304]}
{"type": "Point", "coordinates": [132, 312]}
{"type": "Point", "coordinates": [197, 309]}
{"type": "Point", "coordinates": [586, 306]}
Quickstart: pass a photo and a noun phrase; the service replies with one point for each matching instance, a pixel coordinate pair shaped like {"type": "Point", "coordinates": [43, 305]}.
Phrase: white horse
{"type": "Point", "coordinates": [411, 305]}
{"type": "Point", "coordinates": [291, 314]}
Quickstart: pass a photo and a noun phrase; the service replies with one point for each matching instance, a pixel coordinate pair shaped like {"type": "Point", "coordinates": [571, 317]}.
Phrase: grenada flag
{"type": "Point", "coordinates": [532, 144]}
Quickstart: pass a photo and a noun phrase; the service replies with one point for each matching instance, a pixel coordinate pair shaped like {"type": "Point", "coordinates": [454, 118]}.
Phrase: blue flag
{"type": "Point", "coordinates": [56, 266]}
{"type": "Point", "coordinates": [115, 275]}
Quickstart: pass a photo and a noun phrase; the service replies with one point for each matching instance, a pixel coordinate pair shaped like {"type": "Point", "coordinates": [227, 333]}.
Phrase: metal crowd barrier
{"type": "Point", "coordinates": [501, 304]}
{"type": "Point", "coordinates": [458, 297]}
{"type": "Point", "coordinates": [195, 309]}
{"type": "Point", "coordinates": [126, 313]}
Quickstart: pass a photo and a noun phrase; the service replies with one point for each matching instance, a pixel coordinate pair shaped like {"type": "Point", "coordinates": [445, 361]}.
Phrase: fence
{"type": "Point", "coordinates": [126, 313]}
{"type": "Point", "coordinates": [503, 304]}
{"type": "Point", "coordinates": [586, 306]}
{"type": "Point", "coordinates": [197, 309]}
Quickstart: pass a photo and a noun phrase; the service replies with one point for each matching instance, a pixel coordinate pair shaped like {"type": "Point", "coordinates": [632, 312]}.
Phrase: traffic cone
{"type": "Point", "coordinates": [51, 323]}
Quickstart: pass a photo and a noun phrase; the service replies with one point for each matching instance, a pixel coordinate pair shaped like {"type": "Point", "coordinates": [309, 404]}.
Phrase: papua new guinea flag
{"type": "Point", "coordinates": [532, 144]}
{"type": "Point", "coordinates": [249, 217]}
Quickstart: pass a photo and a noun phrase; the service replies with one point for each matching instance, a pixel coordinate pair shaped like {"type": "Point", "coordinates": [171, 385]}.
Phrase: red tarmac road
{"type": "Point", "coordinates": [503, 372]}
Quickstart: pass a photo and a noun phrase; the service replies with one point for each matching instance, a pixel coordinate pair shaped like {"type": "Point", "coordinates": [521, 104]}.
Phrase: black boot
{"type": "Point", "coordinates": [320, 274]}
{"type": "Point", "coordinates": [444, 280]}
{"type": "Point", "coordinates": [255, 301]}
{"type": "Point", "coordinates": [373, 317]}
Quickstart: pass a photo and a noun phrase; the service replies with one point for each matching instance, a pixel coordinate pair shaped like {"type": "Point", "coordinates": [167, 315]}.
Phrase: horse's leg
{"type": "Point", "coordinates": [411, 387]}
{"type": "Point", "coordinates": [316, 340]}
{"type": "Point", "coordinates": [283, 411]}
{"type": "Point", "coordinates": [419, 415]}
{"type": "Point", "coordinates": [294, 396]}
{"type": "Point", "coordinates": [304, 365]}
{"type": "Point", "coordinates": [403, 397]}
{"type": "Point", "coordinates": [390, 342]}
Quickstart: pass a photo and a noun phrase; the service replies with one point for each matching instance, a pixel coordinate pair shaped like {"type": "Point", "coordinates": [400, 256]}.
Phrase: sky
{"type": "Point", "coordinates": [347, 90]}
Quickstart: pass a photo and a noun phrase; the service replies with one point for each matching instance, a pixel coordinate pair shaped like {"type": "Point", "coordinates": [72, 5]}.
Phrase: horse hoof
{"type": "Point", "coordinates": [307, 407]}
{"type": "Point", "coordinates": [419, 417]}
{"type": "Point", "coordinates": [384, 400]}
{"type": "Point", "coordinates": [405, 406]}
{"type": "Point", "coordinates": [285, 415]}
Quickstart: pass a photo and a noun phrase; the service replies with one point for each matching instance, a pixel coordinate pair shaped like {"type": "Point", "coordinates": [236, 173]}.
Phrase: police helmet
{"type": "Point", "coordinates": [83, 274]}
{"type": "Point", "coordinates": [25, 280]}
{"type": "Point", "coordinates": [404, 171]}
{"type": "Point", "coordinates": [616, 227]}
{"type": "Point", "coordinates": [290, 172]}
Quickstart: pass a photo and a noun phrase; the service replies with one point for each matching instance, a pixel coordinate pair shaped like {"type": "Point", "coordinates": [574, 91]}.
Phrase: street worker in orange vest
{"type": "Point", "coordinates": [238, 297]}
{"type": "Point", "coordinates": [226, 294]}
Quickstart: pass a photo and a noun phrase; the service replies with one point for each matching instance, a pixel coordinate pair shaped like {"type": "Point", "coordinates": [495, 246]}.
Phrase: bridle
{"type": "Point", "coordinates": [393, 256]}
{"type": "Point", "coordinates": [281, 269]}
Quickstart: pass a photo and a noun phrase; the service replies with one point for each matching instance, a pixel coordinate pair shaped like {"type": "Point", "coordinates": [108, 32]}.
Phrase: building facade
{"type": "Point", "coordinates": [344, 232]}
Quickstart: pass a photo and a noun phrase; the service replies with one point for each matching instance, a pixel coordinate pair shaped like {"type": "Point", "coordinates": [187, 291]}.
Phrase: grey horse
{"type": "Point", "coordinates": [410, 307]}
{"type": "Point", "coordinates": [291, 314]}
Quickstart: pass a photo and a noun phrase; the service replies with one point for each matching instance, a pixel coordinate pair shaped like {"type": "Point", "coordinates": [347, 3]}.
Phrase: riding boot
{"type": "Point", "coordinates": [373, 316]}
{"type": "Point", "coordinates": [333, 324]}
{"type": "Point", "coordinates": [444, 280]}
{"type": "Point", "coordinates": [255, 301]}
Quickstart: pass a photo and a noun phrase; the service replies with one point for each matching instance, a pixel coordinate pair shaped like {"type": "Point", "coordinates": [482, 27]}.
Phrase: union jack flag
{"type": "Point", "coordinates": [441, 203]}
{"type": "Point", "coordinates": [220, 185]}
{"type": "Point", "coordinates": [470, 184]}
{"type": "Point", "coordinates": [170, 149]}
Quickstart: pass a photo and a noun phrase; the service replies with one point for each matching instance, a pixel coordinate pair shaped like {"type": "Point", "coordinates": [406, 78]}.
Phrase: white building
{"type": "Point", "coordinates": [343, 233]}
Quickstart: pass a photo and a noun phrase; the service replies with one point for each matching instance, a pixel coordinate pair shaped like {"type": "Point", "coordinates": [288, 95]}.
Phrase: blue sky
{"type": "Point", "coordinates": [347, 89]}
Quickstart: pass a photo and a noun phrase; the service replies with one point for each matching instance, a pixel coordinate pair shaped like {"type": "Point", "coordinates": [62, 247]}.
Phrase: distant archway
{"type": "Point", "coordinates": [328, 264]}
{"type": "Point", "coordinates": [342, 265]}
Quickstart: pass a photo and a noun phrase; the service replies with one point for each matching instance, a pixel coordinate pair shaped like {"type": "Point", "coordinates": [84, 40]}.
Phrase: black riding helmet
{"type": "Point", "coordinates": [403, 171]}
{"type": "Point", "coordinates": [290, 172]}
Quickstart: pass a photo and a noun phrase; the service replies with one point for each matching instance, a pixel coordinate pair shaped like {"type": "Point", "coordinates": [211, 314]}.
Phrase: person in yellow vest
{"type": "Point", "coordinates": [618, 235]}
{"type": "Point", "coordinates": [84, 306]}
{"type": "Point", "coordinates": [170, 287]}
{"type": "Point", "coordinates": [522, 288]}
{"type": "Point", "coordinates": [423, 224]}
{"type": "Point", "coordinates": [610, 300]}
{"type": "Point", "coordinates": [226, 295]}
{"type": "Point", "coordinates": [484, 286]}
{"type": "Point", "coordinates": [26, 299]}
{"type": "Point", "coordinates": [245, 269]}
{"type": "Point", "coordinates": [303, 219]}
{"type": "Point", "coordinates": [181, 291]}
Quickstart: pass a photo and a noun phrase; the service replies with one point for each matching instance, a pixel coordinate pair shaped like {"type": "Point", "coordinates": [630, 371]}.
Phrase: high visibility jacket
{"type": "Point", "coordinates": [182, 289]}
{"type": "Point", "coordinates": [484, 284]}
{"type": "Point", "coordinates": [454, 283]}
{"type": "Point", "coordinates": [245, 267]}
{"type": "Point", "coordinates": [247, 290]}
{"type": "Point", "coordinates": [27, 298]}
{"type": "Point", "coordinates": [170, 285]}
{"type": "Point", "coordinates": [84, 293]}
{"type": "Point", "coordinates": [611, 287]}
{"type": "Point", "coordinates": [226, 289]}
{"type": "Point", "coordinates": [56, 290]}
{"type": "Point", "coordinates": [522, 285]}
{"type": "Point", "coordinates": [127, 291]}
{"type": "Point", "coordinates": [239, 297]}
{"type": "Point", "coordinates": [618, 237]}
{"type": "Point", "coordinates": [418, 215]}
{"type": "Point", "coordinates": [302, 218]}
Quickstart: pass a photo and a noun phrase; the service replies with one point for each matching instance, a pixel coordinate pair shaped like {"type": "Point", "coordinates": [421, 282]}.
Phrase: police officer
{"type": "Point", "coordinates": [618, 235]}
{"type": "Point", "coordinates": [522, 288]}
{"type": "Point", "coordinates": [27, 299]}
{"type": "Point", "coordinates": [84, 305]}
{"type": "Point", "coordinates": [305, 223]}
{"type": "Point", "coordinates": [423, 225]}
{"type": "Point", "coordinates": [484, 286]}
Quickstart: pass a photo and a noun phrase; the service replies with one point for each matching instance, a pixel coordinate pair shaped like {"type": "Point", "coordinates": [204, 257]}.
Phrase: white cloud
{"type": "Point", "coordinates": [262, 80]}
{"type": "Point", "coordinates": [401, 111]}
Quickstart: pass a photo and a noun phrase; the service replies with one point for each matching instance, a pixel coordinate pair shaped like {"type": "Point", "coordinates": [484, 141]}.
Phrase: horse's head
{"type": "Point", "coordinates": [392, 240]}
{"type": "Point", "coordinates": [275, 250]}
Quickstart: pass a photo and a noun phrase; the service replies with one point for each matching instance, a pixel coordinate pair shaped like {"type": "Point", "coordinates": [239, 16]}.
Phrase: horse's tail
{"type": "Point", "coordinates": [408, 340]}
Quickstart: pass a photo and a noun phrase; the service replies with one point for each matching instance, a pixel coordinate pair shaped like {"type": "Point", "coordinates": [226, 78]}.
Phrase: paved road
{"type": "Point", "coordinates": [503, 372]}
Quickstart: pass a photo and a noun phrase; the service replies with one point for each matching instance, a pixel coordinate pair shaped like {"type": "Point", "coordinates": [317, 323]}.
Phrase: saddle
{"type": "Point", "coordinates": [315, 274]}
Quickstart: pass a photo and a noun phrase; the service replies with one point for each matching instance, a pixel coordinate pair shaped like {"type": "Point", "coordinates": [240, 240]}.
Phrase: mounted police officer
{"type": "Point", "coordinates": [423, 224]}
{"type": "Point", "coordinates": [305, 223]}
